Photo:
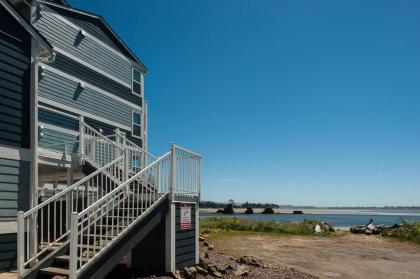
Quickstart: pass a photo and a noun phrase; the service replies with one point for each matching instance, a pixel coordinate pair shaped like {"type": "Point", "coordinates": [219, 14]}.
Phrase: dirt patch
{"type": "Point", "coordinates": [345, 256]}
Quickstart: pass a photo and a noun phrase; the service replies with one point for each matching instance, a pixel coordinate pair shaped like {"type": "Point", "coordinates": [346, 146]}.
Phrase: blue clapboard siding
{"type": "Point", "coordinates": [68, 93]}
{"type": "Point", "coordinates": [14, 83]}
{"type": "Point", "coordinates": [47, 116]}
{"type": "Point", "coordinates": [109, 130]}
{"type": "Point", "coordinates": [14, 188]}
{"type": "Point", "coordinates": [52, 137]}
{"type": "Point", "coordinates": [86, 74]}
{"type": "Point", "coordinates": [185, 242]}
{"type": "Point", "coordinates": [93, 26]}
{"type": "Point", "coordinates": [67, 38]}
{"type": "Point", "coordinates": [8, 254]}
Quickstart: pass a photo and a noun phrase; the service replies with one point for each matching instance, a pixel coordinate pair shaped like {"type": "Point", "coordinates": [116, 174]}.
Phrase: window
{"type": "Point", "coordinates": [136, 86]}
{"type": "Point", "coordinates": [136, 127]}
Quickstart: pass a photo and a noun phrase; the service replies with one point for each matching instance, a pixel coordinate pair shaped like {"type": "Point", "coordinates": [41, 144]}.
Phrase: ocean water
{"type": "Point", "coordinates": [336, 220]}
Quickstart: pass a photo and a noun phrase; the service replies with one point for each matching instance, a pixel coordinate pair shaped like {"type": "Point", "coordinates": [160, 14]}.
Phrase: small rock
{"type": "Point", "coordinates": [204, 265]}
{"type": "Point", "coordinates": [222, 270]}
{"type": "Point", "coordinates": [190, 272]}
{"type": "Point", "coordinates": [241, 270]}
{"type": "Point", "coordinates": [201, 238]}
{"type": "Point", "coordinates": [206, 243]}
{"type": "Point", "coordinates": [211, 247]}
{"type": "Point", "coordinates": [201, 270]}
{"type": "Point", "coordinates": [176, 275]}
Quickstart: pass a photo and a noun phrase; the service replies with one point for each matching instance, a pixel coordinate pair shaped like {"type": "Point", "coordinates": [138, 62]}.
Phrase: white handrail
{"type": "Point", "coordinates": [54, 228]}
{"type": "Point", "coordinates": [134, 197]}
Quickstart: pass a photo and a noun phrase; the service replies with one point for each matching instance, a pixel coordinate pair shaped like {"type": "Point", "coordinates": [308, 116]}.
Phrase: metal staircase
{"type": "Point", "coordinates": [80, 224]}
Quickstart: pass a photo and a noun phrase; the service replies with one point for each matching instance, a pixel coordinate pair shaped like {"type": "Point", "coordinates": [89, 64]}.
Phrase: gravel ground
{"type": "Point", "coordinates": [229, 264]}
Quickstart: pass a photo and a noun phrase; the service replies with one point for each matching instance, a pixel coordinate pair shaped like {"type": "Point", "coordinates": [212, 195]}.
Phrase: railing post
{"type": "Point", "coordinates": [73, 246]}
{"type": "Point", "coordinates": [20, 244]}
{"type": "Point", "coordinates": [199, 179]}
{"type": "Point", "coordinates": [81, 138]}
{"type": "Point", "coordinates": [118, 140]}
{"type": "Point", "coordinates": [172, 174]}
{"type": "Point", "coordinates": [126, 163]}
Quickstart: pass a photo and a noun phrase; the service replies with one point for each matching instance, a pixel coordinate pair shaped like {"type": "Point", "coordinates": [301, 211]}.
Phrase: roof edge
{"type": "Point", "coordinates": [48, 51]}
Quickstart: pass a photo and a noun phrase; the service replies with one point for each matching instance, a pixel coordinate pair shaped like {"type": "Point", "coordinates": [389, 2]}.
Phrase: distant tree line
{"type": "Point", "coordinates": [212, 204]}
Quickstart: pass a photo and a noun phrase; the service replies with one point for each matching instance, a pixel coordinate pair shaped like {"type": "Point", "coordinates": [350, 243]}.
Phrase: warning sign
{"type": "Point", "coordinates": [185, 216]}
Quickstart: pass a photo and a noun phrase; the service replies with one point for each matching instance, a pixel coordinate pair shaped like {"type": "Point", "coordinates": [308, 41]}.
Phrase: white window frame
{"type": "Point", "coordinates": [140, 83]}
{"type": "Point", "coordinates": [132, 124]}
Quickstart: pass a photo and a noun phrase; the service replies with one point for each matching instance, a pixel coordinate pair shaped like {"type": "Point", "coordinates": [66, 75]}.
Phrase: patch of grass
{"type": "Point", "coordinates": [408, 231]}
{"type": "Point", "coordinates": [239, 225]}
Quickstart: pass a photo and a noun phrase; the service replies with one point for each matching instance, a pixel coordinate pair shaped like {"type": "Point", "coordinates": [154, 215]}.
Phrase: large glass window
{"type": "Point", "coordinates": [136, 86]}
{"type": "Point", "coordinates": [136, 127]}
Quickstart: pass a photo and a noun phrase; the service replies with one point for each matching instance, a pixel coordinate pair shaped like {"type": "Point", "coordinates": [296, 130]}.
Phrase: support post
{"type": "Point", "coordinates": [81, 138]}
{"type": "Point", "coordinates": [170, 239]}
{"type": "Point", "coordinates": [199, 178]}
{"type": "Point", "coordinates": [69, 199]}
{"type": "Point", "coordinates": [197, 231]}
{"type": "Point", "coordinates": [20, 244]}
{"type": "Point", "coordinates": [172, 176]}
{"type": "Point", "coordinates": [73, 246]}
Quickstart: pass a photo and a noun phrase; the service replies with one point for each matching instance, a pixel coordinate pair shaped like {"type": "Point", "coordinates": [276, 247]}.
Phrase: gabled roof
{"type": "Point", "coordinates": [46, 50]}
{"type": "Point", "coordinates": [99, 19]}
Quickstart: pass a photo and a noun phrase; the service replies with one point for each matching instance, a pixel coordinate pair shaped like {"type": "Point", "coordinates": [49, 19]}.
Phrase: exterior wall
{"type": "Point", "coordinates": [14, 188]}
{"type": "Point", "coordinates": [8, 252]}
{"type": "Point", "coordinates": [91, 25]}
{"type": "Point", "coordinates": [15, 79]}
{"type": "Point", "coordinates": [67, 92]}
{"type": "Point", "coordinates": [94, 60]}
{"type": "Point", "coordinates": [185, 241]}
{"type": "Point", "coordinates": [65, 37]}
{"type": "Point", "coordinates": [109, 130]}
{"type": "Point", "coordinates": [14, 83]}
{"type": "Point", "coordinates": [83, 72]}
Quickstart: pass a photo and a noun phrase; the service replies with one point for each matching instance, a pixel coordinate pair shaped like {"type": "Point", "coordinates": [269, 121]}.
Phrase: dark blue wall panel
{"type": "Point", "coordinates": [184, 240]}
{"type": "Point", "coordinates": [14, 83]}
{"type": "Point", "coordinates": [14, 188]}
{"type": "Point", "coordinates": [8, 252]}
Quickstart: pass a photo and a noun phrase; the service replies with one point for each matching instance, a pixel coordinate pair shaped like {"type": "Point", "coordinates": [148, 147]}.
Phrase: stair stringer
{"type": "Point", "coordinates": [46, 262]}
{"type": "Point", "coordinates": [104, 263]}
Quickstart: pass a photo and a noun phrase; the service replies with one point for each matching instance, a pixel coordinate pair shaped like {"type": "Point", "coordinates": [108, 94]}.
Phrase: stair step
{"type": "Point", "coordinates": [91, 247]}
{"type": "Point", "coordinates": [55, 271]}
{"type": "Point", "coordinates": [66, 258]}
{"type": "Point", "coordinates": [105, 227]}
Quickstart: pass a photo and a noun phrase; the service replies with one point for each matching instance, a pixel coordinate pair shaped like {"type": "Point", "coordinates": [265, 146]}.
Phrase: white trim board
{"type": "Point", "coordinates": [93, 87]}
{"type": "Point", "coordinates": [15, 153]}
{"type": "Point", "coordinates": [83, 113]}
{"type": "Point", "coordinates": [8, 227]}
{"type": "Point", "coordinates": [90, 66]}
{"type": "Point", "coordinates": [58, 129]}
{"type": "Point", "coordinates": [57, 112]}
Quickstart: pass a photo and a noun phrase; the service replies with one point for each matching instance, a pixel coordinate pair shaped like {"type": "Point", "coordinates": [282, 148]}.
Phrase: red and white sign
{"type": "Point", "coordinates": [185, 216]}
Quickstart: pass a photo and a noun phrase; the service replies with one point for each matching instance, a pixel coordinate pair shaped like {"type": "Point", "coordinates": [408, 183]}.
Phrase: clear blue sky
{"type": "Point", "coordinates": [292, 102]}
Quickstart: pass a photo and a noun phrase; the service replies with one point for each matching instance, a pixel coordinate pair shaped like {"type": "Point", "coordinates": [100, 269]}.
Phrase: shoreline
{"type": "Point", "coordinates": [322, 211]}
